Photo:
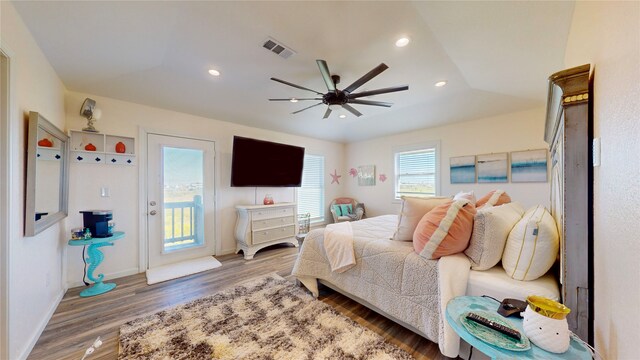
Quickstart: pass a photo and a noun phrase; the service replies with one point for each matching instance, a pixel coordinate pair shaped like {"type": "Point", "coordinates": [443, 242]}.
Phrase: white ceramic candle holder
{"type": "Point", "coordinates": [549, 334]}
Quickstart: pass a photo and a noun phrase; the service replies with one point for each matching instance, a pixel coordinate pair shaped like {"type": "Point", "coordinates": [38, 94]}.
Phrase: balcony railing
{"type": "Point", "coordinates": [184, 224]}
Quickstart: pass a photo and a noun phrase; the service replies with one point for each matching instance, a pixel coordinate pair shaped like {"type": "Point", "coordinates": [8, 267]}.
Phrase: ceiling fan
{"type": "Point", "coordinates": [346, 96]}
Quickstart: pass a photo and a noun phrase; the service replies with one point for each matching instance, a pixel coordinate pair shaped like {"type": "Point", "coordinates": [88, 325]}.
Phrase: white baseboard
{"type": "Point", "coordinates": [115, 275]}
{"type": "Point", "coordinates": [40, 327]}
{"type": "Point", "coordinates": [226, 252]}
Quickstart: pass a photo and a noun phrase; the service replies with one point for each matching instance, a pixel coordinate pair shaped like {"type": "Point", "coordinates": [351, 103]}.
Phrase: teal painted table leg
{"type": "Point", "coordinates": [95, 258]}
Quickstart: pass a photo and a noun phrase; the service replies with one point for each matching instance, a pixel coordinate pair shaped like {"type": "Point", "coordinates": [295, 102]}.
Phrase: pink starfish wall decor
{"type": "Point", "coordinates": [382, 177]}
{"type": "Point", "coordinates": [335, 178]}
{"type": "Point", "coordinates": [353, 172]}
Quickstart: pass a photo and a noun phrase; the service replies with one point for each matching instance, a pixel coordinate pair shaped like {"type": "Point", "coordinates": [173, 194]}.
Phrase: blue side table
{"type": "Point", "coordinates": [461, 304]}
{"type": "Point", "coordinates": [95, 258]}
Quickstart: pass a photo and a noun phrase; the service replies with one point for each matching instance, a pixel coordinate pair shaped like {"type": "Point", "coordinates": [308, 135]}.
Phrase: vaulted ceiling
{"type": "Point", "coordinates": [495, 57]}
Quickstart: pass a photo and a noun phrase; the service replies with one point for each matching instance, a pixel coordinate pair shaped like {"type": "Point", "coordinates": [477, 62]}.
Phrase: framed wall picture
{"type": "Point", "coordinates": [529, 166]}
{"type": "Point", "coordinates": [367, 175]}
{"type": "Point", "coordinates": [462, 169]}
{"type": "Point", "coordinates": [493, 168]}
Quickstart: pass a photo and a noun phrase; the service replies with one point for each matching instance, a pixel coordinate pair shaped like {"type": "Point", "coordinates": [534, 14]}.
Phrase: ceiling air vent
{"type": "Point", "coordinates": [278, 48]}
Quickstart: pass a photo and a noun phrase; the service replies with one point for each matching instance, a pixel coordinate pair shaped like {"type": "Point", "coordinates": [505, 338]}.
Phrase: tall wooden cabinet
{"type": "Point", "coordinates": [569, 132]}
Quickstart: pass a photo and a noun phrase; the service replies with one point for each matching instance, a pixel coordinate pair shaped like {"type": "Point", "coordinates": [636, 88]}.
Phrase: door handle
{"type": "Point", "coordinates": [153, 203]}
{"type": "Point", "coordinates": [152, 212]}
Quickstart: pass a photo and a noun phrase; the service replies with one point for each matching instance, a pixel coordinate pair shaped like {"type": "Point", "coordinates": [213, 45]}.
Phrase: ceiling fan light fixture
{"type": "Point", "coordinates": [294, 100]}
{"type": "Point", "coordinates": [336, 99]}
{"type": "Point", "coordinates": [214, 72]}
{"type": "Point", "coordinates": [440, 83]}
{"type": "Point", "coordinates": [402, 42]}
{"type": "Point", "coordinates": [342, 116]}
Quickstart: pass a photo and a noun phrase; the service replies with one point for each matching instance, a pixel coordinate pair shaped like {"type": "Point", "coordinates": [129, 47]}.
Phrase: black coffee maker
{"type": "Point", "coordinates": [98, 222]}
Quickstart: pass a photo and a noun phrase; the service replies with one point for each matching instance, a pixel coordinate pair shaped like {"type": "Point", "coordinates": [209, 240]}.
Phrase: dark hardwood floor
{"type": "Point", "coordinates": [78, 321]}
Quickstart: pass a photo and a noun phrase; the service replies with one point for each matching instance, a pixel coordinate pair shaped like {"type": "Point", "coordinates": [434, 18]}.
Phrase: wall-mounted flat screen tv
{"type": "Point", "coordinates": [266, 164]}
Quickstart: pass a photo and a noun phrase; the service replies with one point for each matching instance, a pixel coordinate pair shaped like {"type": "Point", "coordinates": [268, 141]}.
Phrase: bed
{"type": "Point", "coordinates": [396, 293]}
{"type": "Point", "coordinates": [392, 279]}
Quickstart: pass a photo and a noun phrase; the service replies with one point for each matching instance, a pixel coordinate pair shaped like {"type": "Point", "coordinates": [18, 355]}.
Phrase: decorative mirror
{"type": "Point", "coordinates": [47, 175]}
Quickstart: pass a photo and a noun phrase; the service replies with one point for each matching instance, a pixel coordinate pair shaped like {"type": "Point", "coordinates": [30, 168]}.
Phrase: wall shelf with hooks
{"type": "Point", "coordinates": [105, 148]}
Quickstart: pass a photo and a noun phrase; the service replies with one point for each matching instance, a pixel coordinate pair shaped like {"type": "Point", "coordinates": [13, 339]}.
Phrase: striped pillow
{"type": "Point", "coordinates": [532, 246]}
{"type": "Point", "coordinates": [445, 230]}
{"type": "Point", "coordinates": [493, 198]}
{"type": "Point", "coordinates": [411, 211]}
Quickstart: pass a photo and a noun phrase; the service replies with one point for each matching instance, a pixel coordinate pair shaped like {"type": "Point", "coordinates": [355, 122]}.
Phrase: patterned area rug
{"type": "Point", "coordinates": [266, 318]}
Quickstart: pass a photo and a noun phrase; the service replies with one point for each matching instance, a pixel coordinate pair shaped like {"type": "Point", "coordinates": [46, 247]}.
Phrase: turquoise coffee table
{"type": "Point", "coordinates": [95, 258]}
{"type": "Point", "coordinates": [462, 304]}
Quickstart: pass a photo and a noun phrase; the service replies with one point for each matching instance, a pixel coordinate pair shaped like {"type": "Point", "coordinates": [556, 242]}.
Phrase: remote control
{"type": "Point", "coordinates": [494, 325]}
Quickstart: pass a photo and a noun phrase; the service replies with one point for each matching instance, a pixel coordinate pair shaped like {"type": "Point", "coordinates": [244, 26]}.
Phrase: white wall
{"type": "Point", "coordinates": [124, 118]}
{"type": "Point", "coordinates": [607, 35]}
{"type": "Point", "coordinates": [511, 132]}
{"type": "Point", "coordinates": [36, 283]}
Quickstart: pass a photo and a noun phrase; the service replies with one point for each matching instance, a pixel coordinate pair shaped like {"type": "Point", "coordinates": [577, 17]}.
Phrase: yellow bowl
{"type": "Point", "coordinates": [547, 307]}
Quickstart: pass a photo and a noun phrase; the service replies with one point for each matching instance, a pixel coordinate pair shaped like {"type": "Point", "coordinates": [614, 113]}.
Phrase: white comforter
{"type": "Point", "coordinates": [392, 277]}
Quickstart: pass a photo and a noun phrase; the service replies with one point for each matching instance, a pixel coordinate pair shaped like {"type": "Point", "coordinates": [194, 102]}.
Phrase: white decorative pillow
{"type": "Point", "coordinates": [466, 195]}
{"type": "Point", "coordinates": [532, 246]}
{"type": "Point", "coordinates": [491, 229]}
{"type": "Point", "coordinates": [411, 212]}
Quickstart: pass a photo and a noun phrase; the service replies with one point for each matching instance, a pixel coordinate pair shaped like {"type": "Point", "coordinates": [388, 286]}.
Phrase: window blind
{"type": "Point", "coordinates": [415, 172]}
{"type": "Point", "coordinates": [311, 193]}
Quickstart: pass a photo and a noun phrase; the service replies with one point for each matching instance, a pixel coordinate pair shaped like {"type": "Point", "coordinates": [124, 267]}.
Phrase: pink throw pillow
{"type": "Point", "coordinates": [445, 230]}
{"type": "Point", "coordinates": [493, 198]}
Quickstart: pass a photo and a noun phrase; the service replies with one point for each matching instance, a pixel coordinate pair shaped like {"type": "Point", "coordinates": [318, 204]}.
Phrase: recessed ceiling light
{"type": "Point", "coordinates": [293, 100]}
{"type": "Point", "coordinates": [214, 72]}
{"type": "Point", "coordinates": [402, 42]}
{"type": "Point", "coordinates": [440, 83]}
{"type": "Point", "coordinates": [342, 116]}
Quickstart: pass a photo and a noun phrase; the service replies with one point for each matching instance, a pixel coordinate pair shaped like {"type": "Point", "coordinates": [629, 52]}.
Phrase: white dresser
{"type": "Point", "coordinates": [259, 226]}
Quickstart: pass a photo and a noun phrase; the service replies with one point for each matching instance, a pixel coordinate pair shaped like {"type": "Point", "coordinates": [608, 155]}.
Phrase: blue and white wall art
{"type": "Point", "coordinates": [463, 169]}
{"type": "Point", "coordinates": [492, 168]}
{"type": "Point", "coordinates": [529, 166]}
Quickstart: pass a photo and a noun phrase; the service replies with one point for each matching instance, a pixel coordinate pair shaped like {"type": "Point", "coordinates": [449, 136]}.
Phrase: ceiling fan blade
{"type": "Point", "coordinates": [326, 75]}
{"type": "Point", "coordinates": [327, 113]}
{"type": "Point", "coordinates": [352, 110]}
{"type": "Point", "coordinates": [368, 76]}
{"type": "Point", "coordinates": [378, 91]}
{"type": "Point", "coordinates": [295, 86]}
{"type": "Point", "coordinates": [289, 99]}
{"type": "Point", "coordinates": [369, 102]}
{"type": "Point", "coordinates": [308, 107]}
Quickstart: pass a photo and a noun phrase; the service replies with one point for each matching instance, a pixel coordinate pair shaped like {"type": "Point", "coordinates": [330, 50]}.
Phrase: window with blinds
{"type": "Point", "coordinates": [311, 193]}
{"type": "Point", "coordinates": [415, 172]}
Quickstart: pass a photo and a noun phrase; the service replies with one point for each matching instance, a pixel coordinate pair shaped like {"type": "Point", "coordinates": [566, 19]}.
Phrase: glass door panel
{"type": "Point", "coordinates": [180, 199]}
{"type": "Point", "coordinates": [183, 208]}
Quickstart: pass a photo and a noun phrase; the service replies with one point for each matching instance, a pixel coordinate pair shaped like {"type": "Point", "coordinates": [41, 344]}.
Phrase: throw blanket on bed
{"type": "Point", "coordinates": [338, 244]}
{"type": "Point", "coordinates": [391, 277]}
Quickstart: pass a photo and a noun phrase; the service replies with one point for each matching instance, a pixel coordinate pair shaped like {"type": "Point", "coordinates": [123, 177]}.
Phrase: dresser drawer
{"type": "Point", "coordinates": [271, 213]}
{"type": "Point", "coordinates": [269, 223]}
{"type": "Point", "coordinates": [262, 236]}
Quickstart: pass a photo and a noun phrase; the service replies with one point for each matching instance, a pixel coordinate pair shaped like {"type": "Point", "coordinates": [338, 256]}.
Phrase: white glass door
{"type": "Point", "coordinates": [180, 200]}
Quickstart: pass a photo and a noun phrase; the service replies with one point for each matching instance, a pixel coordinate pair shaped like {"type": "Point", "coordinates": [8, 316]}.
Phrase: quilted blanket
{"type": "Point", "coordinates": [390, 276]}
